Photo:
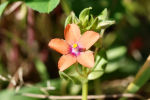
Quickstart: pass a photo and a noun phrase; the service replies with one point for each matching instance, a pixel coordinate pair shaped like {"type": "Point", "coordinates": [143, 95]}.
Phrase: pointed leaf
{"type": "Point", "coordinates": [103, 15]}
{"type": "Point", "coordinates": [105, 24]}
{"type": "Point", "coordinates": [84, 16]}
{"type": "Point", "coordinates": [93, 24]}
{"type": "Point", "coordinates": [71, 19]}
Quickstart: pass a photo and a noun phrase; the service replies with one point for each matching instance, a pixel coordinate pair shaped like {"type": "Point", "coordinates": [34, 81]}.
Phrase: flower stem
{"type": "Point", "coordinates": [84, 90]}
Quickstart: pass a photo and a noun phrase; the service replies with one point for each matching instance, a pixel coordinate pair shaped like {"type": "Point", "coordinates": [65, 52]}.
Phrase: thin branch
{"type": "Point", "coordinates": [14, 80]}
{"type": "Point", "coordinates": [3, 78]}
{"type": "Point", "coordinates": [13, 7]}
{"type": "Point", "coordinates": [79, 97]}
{"type": "Point", "coordinates": [17, 78]}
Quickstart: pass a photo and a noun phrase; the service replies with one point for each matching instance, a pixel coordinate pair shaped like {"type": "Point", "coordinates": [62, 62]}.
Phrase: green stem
{"type": "Point", "coordinates": [84, 90]}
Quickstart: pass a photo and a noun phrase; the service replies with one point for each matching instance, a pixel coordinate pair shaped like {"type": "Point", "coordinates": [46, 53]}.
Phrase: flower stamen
{"type": "Point", "coordinates": [74, 45]}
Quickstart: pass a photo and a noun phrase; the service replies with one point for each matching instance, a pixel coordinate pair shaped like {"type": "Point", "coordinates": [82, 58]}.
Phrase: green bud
{"type": "Point", "coordinates": [93, 24]}
{"type": "Point", "coordinates": [84, 16]}
{"type": "Point", "coordinates": [71, 19]}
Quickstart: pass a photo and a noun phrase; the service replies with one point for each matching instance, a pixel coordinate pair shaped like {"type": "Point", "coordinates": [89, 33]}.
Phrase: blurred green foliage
{"type": "Point", "coordinates": [127, 44]}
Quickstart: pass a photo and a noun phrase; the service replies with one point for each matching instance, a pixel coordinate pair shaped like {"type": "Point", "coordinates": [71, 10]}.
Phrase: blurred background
{"type": "Point", "coordinates": [24, 37]}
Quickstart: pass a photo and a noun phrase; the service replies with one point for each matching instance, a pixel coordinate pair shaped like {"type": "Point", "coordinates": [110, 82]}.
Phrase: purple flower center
{"type": "Point", "coordinates": [75, 49]}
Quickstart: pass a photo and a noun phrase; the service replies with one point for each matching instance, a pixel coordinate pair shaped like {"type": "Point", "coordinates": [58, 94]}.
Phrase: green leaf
{"type": "Point", "coordinates": [103, 20]}
{"type": "Point", "coordinates": [116, 59]}
{"type": "Point", "coordinates": [68, 20]}
{"type": "Point", "coordinates": [91, 19]}
{"type": "Point", "coordinates": [116, 52]}
{"type": "Point", "coordinates": [42, 6]}
{"type": "Point", "coordinates": [71, 19]}
{"type": "Point", "coordinates": [84, 16]}
{"type": "Point", "coordinates": [63, 75]}
{"type": "Point", "coordinates": [141, 78]}
{"type": "Point", "coordinates": [105, 24]}
{"type": "Point", "coordinates": [112, 66]}
{"type": "Point", "coordinates": [103, 15]}
{"type": "Point", "coordinates": [93, 24]}
{"type": "Point", "coordinates": [72, 74]}
{"type": "Point", "coordinates": [2, 7]}
{"type": "Point", "coordinates": [100, 64]}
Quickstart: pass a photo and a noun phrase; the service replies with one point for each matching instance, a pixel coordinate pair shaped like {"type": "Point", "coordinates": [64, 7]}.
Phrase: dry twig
{"type": "Point", "coordinates": [80, 97]}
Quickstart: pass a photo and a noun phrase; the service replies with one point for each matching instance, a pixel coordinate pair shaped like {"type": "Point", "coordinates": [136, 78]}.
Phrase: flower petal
{"type": "Point", "coordinates": [72, 33]}
{"type": "Point", "coordinates": [66, 61]}
{"type": "Point", "coordinates": [59, 45]}
{"type": "Point", "coordinates": [88, 39]}
{"type": "Point", "coordinates": [86, 59]}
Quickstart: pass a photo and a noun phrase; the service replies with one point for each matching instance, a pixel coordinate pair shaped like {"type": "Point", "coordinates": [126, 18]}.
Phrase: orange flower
{"type": "Point", "coordinates": [75, 47]}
